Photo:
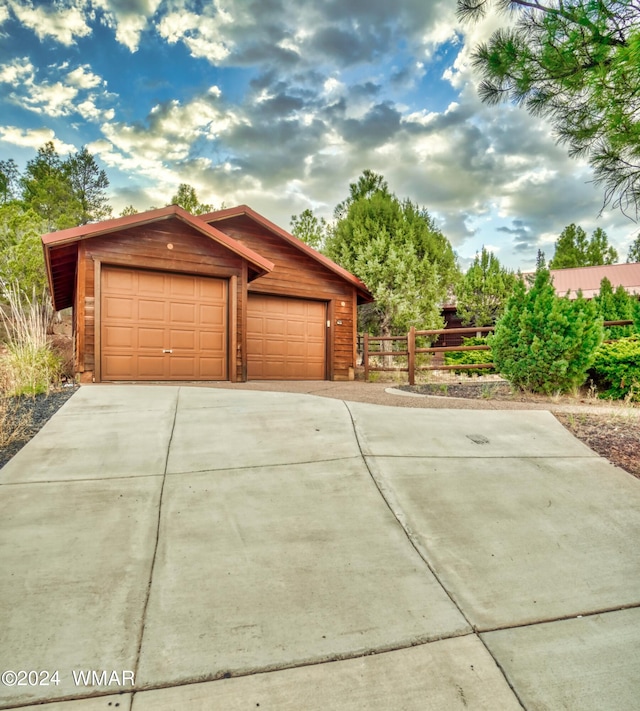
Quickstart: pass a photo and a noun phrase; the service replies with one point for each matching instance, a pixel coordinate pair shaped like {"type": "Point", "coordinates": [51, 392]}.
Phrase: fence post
{"type": "Point", "coordinates": [411, 348]}
{"type": "Point", "coordinates": [365, 357]}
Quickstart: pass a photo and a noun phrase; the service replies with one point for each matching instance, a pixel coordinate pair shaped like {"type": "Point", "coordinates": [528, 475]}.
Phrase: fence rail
{"type": "Point", "coordinates": [411, 350]}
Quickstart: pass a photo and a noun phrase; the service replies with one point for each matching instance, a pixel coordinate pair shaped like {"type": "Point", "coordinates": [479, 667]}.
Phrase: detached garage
{"type": "Point", "coordinates": [164, 295]}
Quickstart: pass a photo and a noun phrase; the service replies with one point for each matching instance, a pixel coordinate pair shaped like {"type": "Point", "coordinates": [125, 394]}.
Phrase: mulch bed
{"type": "Point", "coordinates": [39, 410]}
{"type": "Point", "coordinates": [615, 437]}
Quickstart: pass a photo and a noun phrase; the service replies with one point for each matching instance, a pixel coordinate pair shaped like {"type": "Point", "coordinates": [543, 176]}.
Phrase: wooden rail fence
{"type": "Point", "coordinates": [411, 350]}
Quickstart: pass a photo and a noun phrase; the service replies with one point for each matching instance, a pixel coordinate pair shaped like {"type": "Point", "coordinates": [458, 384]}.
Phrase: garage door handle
{"type": "Point", "coordinates": [167, 350]}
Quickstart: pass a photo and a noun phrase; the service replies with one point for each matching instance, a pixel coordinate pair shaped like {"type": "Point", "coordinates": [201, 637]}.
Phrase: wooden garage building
{"type": "Point", "coordinates": [165, 295]}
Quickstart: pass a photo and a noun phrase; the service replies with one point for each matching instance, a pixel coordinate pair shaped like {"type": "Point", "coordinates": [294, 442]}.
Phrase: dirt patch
{"type": "Point", "coordinates": [615, 437]}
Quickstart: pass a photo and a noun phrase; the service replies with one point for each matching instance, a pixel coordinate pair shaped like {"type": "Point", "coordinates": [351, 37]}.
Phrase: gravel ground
{"type": "Point", "coordinates": [37, 410]}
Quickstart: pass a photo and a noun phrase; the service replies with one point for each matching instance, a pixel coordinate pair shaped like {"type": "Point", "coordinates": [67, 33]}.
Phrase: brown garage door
{"type": "Point", "coordinates": [286, 338]}
{"type": "Point", "coordinates": [162, 326]}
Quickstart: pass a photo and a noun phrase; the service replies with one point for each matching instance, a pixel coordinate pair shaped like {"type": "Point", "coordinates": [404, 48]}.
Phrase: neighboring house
{"type": "Point", "coordinates": [164, 295]}
{"type": "Point", "coordinates": [587, 279]}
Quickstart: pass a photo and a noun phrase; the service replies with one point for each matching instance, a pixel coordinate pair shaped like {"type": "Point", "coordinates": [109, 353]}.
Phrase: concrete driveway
{"type": "Point", "coordinates": [167, 548]}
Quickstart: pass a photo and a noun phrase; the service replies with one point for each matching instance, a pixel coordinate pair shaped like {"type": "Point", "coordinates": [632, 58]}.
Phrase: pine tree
{"type": "Point", "coordinates": [482, 293]}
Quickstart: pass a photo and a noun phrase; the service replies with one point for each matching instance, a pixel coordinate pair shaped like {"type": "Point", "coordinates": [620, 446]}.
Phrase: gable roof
{"type": "Point", "coordinates": [588, 279]}
{"type": "Point", "coordinates": [364, 295]}
{"type": "Point", "coordinates": [61, 248]}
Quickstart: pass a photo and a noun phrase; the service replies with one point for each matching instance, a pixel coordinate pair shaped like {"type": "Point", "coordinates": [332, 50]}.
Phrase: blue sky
{"type": "Point", "coordinates": [280, 104]}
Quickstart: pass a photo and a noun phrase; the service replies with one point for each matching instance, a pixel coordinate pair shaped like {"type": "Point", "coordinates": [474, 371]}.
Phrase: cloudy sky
{"type": "Point", "coordinates": [280, 104]}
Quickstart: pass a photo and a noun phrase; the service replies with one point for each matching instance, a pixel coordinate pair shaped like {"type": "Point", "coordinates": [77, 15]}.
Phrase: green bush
{"type": "Point", "coordinates": [470, 357]}
{"type": "Point", "coordinates": [545, 343]}
{"type": "Point", "coordinates": [616, 369]}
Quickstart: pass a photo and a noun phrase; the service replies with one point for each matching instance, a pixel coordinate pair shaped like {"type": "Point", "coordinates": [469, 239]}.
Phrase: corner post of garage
{"type": "Point", "coordinates": [97, 315]}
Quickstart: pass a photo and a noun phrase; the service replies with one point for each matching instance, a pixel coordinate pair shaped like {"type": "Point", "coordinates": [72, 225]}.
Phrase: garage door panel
{"type": "Point", "coordinates": [122, 281]}
{"type": "Point", "coordinates": [211, 315]}
{"type": "Point", "coordinates": [185, 340]}
{"type": "Point", "coordinates": [212, 369]}
{"type": "Point", "coordinates": [119, 337]}
{"type": "Point", "coordinates": [285, 338]}
{"type": "Point", "coordinates": [151, 338]}
{"type": "Point", "coordinates": [119, 365]}
{"type": "Point", "coordinates": [149, 366]}
{"type": "Point", "coordinates": [182, 313]}
{"type": "Point", "coordinates": [158, 326]}
{"type": "Point", "coordinates": [275, 327]}
{"type": "Point", "coordinates": [151, 310]}
{"type": "Point", "coordinates": [212, 289]}
{"type": "Point", "coordinates": [149, 283]}
{"type": "Point", "coordinates": [118, 307]}
{"type": "Point", "coordinates": [210, 341]}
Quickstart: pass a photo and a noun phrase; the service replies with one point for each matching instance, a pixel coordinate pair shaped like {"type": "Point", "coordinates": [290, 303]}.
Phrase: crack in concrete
{"type": "Point", "coordinates": [155, 549]}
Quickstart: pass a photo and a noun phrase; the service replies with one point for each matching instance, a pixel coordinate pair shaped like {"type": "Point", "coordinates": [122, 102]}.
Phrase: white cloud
{"type": "Point", "coordinates": [83, 78]}
{"type": "Point", "coordinates": [33, 138]}
{"type": "Point", "coordinates": [63, 22]}
{"type": "Point", "coordinates": [129, 18]}
{"type": "Point", "coordinates": [204, 36]}
{"type": "Point", "coordinates": [54, 97]}
{"type": "Point", "coordinates": [20, 71]}
{"type": "Point", "coordinates": [4, 14]}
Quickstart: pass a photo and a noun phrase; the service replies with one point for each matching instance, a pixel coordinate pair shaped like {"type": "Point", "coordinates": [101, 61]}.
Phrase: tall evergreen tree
{"type": "Point", "coordinates": [88, 183]}
{"type": "Point", "coordinates": [9, 181]}
{"type": "Point", "coordinates": [399, 253]}
{"type": "Point", "coordinates": [309, 228]}
{"type": "Point", "coordinates": [573, 249]}
{"type": "Point", "coordinates": [634, 251]}
{"type": "Point", "coordinates": [482, 293]}
{"type": "Point", "coordinates": [47, 190]}
{"type": "Point", "coordinates": [187, 198]}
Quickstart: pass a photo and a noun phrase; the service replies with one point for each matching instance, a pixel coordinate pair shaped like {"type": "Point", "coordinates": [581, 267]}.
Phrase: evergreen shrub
{"type": "Point", "coordinates": [616, 369]}
{"type": "Point", "coordinates": [545, 343]}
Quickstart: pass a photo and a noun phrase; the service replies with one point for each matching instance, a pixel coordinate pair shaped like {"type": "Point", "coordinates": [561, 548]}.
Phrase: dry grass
{"type": "Point", "coordinates": [15, 423]}
{"type": "Point", "coordinates": [30, 366]}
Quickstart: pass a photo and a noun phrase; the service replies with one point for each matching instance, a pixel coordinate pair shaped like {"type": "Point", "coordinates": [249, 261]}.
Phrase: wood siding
{"type": "Point", "coordinates": [147, 247]}
{"type": "Point", "coordinates": [298, 275]}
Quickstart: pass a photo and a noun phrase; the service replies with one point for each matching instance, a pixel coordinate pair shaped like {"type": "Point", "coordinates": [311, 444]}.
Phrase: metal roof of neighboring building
{"type": "Point", "coordinates": [588, 279]}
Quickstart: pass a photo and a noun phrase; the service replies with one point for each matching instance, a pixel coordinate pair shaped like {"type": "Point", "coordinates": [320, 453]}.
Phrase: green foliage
{"type": "Point", "coordinates": [9, 181]}
{"type": "Point", "coordinates": [573, 249]}
{"type": "Point", "coordinates": [128, 210]}
{"type": "Point", "coordinates": [615, 306]}
{"type": "Point", "coordinates": [21, 256]}
{"type": "Point", "coordinates": [470, 357]}
{"type": "Point", "coordinates": [187, 198]}
{"type": "Point", "coordinates": [88, 183]}
{"type": "Point", "coordinates": [309, 229]}
{"type": "Point", "coordinates": [576, 63]}
{"type": "Point", "coordinates": [482, 293]}
{"type": "Point", "coordinates": [396, 249]}
{"type": "Point", "coordinates": [634, 251]}
{"type": "Point", "coordinates": [616, 369]}
{"type": "Point", "coordinates": [545, 343]}
{"type": "Point", "coordinates": [64, 193]}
